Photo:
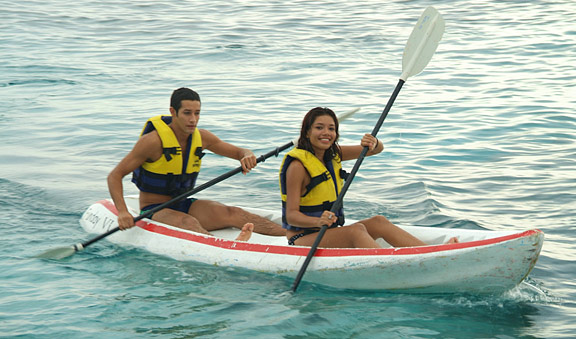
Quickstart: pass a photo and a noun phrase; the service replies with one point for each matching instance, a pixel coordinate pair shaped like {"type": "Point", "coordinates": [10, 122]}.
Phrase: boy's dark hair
{"type": "Point", "coordinates": [180, 94]}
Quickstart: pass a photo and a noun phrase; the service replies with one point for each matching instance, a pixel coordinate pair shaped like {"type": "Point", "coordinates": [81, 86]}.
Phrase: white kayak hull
{"type": "Point", "coordinates": [483, 261]}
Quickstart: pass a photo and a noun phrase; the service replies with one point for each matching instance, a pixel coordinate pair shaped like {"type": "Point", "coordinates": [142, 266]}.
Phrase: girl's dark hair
{"type": "Point", "coordinates": [304, 142]}
{"type": "Point", "coordinates": [180, 94]}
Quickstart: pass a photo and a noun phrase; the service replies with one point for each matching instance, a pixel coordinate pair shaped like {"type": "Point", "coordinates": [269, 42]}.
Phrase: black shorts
{"type": "Point", "coordinates": [182, 206]}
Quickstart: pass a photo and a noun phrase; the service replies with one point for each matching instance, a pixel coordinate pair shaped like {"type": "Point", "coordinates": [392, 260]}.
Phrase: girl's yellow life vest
{"type": "Point", "coordinates": [322, 185]}
{"type": "Point", "coordinates": [323, 189]}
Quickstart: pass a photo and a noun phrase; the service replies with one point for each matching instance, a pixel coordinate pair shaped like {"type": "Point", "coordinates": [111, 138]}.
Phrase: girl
{"type": "Point", "coordinates": [311, 177]}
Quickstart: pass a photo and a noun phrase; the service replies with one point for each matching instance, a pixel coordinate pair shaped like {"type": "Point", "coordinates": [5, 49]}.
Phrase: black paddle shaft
{"type": "Point", "coordinates": [340, 198]}
{"type": "Point", "coordinates": [193, 191]}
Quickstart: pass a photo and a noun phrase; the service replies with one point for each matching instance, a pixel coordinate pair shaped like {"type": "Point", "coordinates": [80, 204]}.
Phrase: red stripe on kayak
{"type": "Point", "coordinates": [321, 252]}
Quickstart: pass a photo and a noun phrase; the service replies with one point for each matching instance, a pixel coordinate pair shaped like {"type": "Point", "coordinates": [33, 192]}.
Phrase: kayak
{"type": "Point", "coordinates": [483, 262]}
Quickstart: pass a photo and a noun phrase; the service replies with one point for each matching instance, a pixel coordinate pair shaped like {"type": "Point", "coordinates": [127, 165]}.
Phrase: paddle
{"type": "Point", "coordinates": [419, 49]}
{"type": "Point", "coordinates": [63, 252]}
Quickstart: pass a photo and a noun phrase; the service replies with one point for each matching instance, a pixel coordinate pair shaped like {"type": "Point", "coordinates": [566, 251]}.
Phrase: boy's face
{"type": "Point", "coordinates": [186, 119]}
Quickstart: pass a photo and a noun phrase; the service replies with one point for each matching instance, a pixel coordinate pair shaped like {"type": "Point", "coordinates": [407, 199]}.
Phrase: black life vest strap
{"type": "Point", "coordinates": [171, 150]}
{"type": "Point", "coordinates": [198, 152]}
{"type": "Point", "coordinates": [317, 180]}
{"type": "Point", "coordinates": [343, 174]}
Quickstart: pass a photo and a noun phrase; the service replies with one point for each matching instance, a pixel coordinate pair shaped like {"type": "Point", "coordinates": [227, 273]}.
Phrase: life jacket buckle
{"type": "Point", "coordinates": [171, 150]}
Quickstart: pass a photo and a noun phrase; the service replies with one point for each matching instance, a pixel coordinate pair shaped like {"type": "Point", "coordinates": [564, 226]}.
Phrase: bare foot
{"type": "Point", "coordinates": [453, 240]}
{"type": "Point", "coordinates": [246, 232]}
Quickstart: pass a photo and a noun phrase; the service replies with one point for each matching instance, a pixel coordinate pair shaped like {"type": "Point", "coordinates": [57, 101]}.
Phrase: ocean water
{"type": "Point", "coordinates": [484, 138]}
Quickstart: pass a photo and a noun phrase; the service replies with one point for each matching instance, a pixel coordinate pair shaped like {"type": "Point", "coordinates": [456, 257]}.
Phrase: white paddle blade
{"type": "Point", "coordinates": [422, 42]}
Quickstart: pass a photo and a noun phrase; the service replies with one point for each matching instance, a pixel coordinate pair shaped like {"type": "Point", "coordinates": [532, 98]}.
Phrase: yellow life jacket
{"type": "Point", "coordinates": [326, 182]}
{"type": "Point", "coordinates": [173, 173]}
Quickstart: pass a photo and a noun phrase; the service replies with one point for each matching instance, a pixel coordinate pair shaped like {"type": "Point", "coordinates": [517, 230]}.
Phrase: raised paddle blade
{"type": "Point", "coordinates": [422, 42]}
{"type": "Point", "coordinates": [57, 253]}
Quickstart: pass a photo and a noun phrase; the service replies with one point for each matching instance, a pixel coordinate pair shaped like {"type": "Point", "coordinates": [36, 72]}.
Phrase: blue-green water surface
{"type": "Point", "coordinates": [484, 138]}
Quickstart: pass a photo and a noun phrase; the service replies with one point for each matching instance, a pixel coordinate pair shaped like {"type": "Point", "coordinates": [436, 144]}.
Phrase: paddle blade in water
{"type": "Point", "coordinates": [57, 253]}
{"type": "Point", "coordinates": [422, 42]}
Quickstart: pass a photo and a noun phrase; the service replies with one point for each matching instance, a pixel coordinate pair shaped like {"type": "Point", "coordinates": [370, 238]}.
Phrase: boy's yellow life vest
{"type": "Point", "coordinates": [173, 173]}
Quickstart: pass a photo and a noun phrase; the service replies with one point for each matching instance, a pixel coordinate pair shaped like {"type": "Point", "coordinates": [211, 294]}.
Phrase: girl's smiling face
{"type": "Point", "coordinates": [322, 133]}
{"type": "Point", "coordinates": [319, 133]}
